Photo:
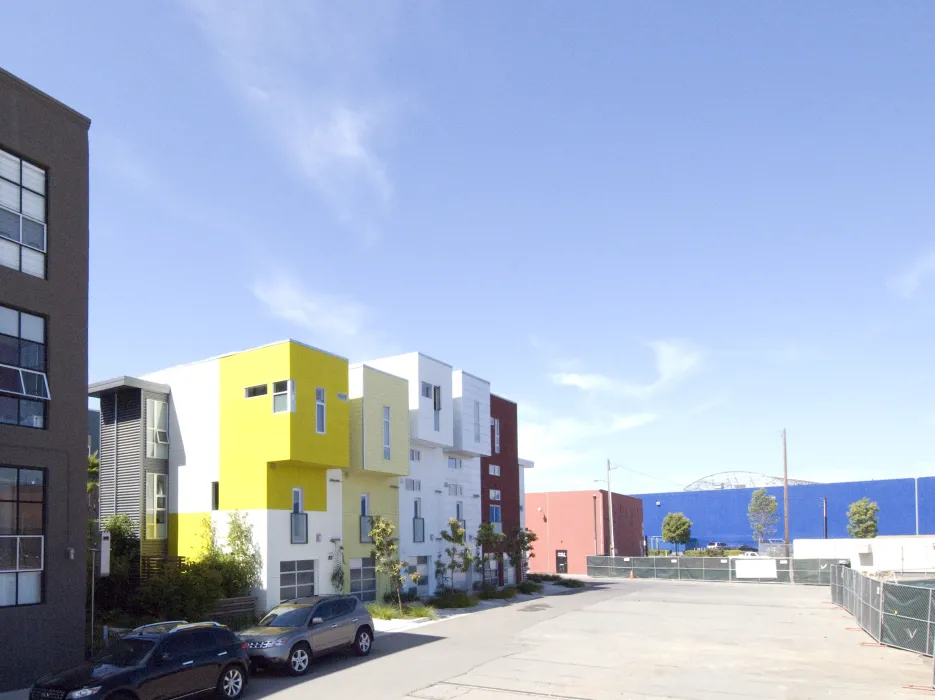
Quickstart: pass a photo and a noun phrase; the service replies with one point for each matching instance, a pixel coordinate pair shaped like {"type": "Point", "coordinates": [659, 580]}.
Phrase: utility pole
{"type": "Point", "coordinates": [824, 510]}
{"type": "Point", "coordinates": [610, 507]}
{"type": "Point", "coordinates": [785, 492]}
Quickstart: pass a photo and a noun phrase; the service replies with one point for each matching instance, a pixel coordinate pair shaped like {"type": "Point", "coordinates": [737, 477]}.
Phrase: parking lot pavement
{"type": "Point", "coordinates": [635, 640]}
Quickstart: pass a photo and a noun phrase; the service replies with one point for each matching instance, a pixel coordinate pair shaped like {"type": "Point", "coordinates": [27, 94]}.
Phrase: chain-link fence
{"type": "Point", "coordinates": [742, 569]}
{"type": "Point", "coordinates": [894, 614]}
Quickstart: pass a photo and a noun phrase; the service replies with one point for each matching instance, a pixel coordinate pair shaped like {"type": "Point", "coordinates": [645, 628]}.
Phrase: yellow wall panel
{"type": "Point", "coordinates": [381, 389]}
{"type": "Point", "coordinates": [284, 476]}
{"type": "Point", "coordinates": [312, 369]}
{"type": "Point", "coordinates": [186, 538]}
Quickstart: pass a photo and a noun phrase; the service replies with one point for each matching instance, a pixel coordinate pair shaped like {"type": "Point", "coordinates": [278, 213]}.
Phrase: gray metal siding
{"type": "Point", "coordinates": [150, 548]}
{"type": "Point", "coordinates": [107, 474]}
{"type": "Point", "coordinates": [129, 453]}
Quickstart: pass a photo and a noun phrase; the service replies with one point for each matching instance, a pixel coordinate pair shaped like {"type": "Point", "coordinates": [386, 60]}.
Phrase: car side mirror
{"type": "Point", "coordinates": [317, 620]}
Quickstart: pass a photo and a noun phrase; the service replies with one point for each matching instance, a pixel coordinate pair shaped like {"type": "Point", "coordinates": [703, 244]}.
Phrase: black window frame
{"type": "Point", "coordinates": [44, 501]}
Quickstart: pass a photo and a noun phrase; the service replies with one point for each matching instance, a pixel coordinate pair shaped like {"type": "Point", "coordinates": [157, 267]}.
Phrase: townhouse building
{"type": "Point", "coordinates": [379, 457]}
{"type": "Point", "coordinates": [500, 487]}
{"type": "Point", "coordinates": [43, 375]}
{"type": "Point", "coordinates": [449, 419]}
{"type": "Point", "coordinates": [264, 432]}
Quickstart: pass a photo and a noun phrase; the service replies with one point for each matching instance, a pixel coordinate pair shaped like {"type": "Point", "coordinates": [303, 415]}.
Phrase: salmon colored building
{"type": "Point", "coordinates": [573, 525]}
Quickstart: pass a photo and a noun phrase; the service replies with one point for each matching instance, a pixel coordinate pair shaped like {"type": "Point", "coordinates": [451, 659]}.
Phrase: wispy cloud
{"type": "Point", "coordinates": [907, 283]}
{"type": "Point", "coordinates": [310, 73]}
{"type": "Point", "coordinates": [709, 405]}
{"type": "Point", "coordinates": [337, 321]}
{"type": "Point", "coordinates": [675, 360]}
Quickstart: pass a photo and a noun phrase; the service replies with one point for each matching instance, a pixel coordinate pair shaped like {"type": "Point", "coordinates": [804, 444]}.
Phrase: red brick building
{"type": "Point", "coordinates": [572, 525]}
{"type": "Point", "coordinates": [500, 479]}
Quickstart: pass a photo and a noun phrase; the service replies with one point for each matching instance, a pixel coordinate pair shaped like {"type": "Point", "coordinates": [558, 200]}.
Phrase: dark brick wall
{"type": "Point", "coordinates": [508, 461]}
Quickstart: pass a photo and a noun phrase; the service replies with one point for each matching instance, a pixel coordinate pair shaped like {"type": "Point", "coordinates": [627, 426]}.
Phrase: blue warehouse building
{"type": "Point", "coordinates": [907, 507]}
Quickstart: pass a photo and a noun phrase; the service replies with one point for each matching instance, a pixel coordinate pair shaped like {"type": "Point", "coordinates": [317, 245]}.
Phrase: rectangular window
{"type": "Point", "coordinates": [22, 536]}
{"type": "Point", "coordinates": [298, 500]}
{"type": "Point", "coordinates": [477, 421]}
{"type": "Point", "coordinates": [252, 391]}
{"type": "Point", "coordinates": [494, 469]}
{"type": "Point", "coordinates": [413, 484]}
{"type": "Point", "coordinates": [22, 215]}
{"type": "Point", "coordinates": [24, 387]}
{"type": "Point", "coordinates": [417, 508]}
{"type": "Point", "coordinates": [363, 577]}
{"type": "Point", "coordinates": [415, 455]}
{"type": "Point", "coordinates": [320, 411]}
{"type": "Point", "coordinates": [454, 463]}
{"type": "Point", "coordinates": [284, 396]}
{"type": "Point", "coordinates": [386, 432]}
{"type": "Point", "coordinates": [459, 511]}
{"type": "Point", "coordinates": [455, 490]}
{"type": "Point", "coordinates": [215, 495]}
{"type": "Point", "coordinates": [156, 507]}
{"type": "Point", "coordinates": [494, 494]}
{"type": "Point", "coordinates": [298, 518]}
{"type": "Point", "coordinates": [437, 406]}
{"type": "Point", "coordinates": [157, 429]}
{"type": "Point", "coordinates": [426, 390]}
{"type": "Point", "coordinates": [364, 504]}
{"type": "Point", "coordinates": [494, 514]}
{"type": "Point", "coordinates": [296, 579]}
{"type": "Point", "coordinates": [496, 436]}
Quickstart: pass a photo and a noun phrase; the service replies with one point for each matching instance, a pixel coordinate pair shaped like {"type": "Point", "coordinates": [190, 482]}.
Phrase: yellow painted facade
{"type": "Point", "coordinates": [264, 455]}
{"type": "Point", "coordinates": [369, 472]}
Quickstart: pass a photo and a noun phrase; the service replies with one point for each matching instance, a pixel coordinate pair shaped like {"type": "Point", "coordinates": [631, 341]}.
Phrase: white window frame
{"type": "Point", "coordinates": [477, 421]}
{"type": "Point", "coordinates": [322, 410]}
{"type": "Point", "coordinates": [368, 594]}
{"type": "Point", "coordinates": [386, 432]}
{"type": "Point", "coordinates": [499, 512]}
{"type": "Point", "coordinates": [413, 484]}
{"type": "Point", "coordinates": [437, 406]}
{"type": "Point", "coordinates": [157, 437]}
{"type": "Point", "coordinates": [426, 390]}
{"type": "Point", "coordinates": [289, 393]}
{"type": "Point", "coordinates": [153, 510]}
{"type": "Point", "coordinates": [415, 455]}
{"type": "Point", "coordinates": [295, 572]}
{"type": "Point", "coordinates": [17, 569]}
{"type": "Point", "coordinates": [495, 494]}
{"type": "Point", "coordinates": [455, 489]}
{"type": "Point", "coordinates": [21, 166]}
{"type": "Point", "coordinates": [255, 388]}
{"type": "Point", "coordinates": [455, 463]}
{"type": "Point", "coordinates": [496, 436]}
{"type": "Point", "coordinates": [494, 470]}
{"type": "Point", "coordinates": [416, 507]}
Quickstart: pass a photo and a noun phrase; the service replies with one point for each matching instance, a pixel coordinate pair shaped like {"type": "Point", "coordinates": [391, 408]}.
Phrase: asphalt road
{"type": "Point", "coordinates": [630, 639]}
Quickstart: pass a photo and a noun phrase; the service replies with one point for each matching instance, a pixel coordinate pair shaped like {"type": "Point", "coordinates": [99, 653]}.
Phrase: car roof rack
{"type": "Point", "coordinates": [195, 625]}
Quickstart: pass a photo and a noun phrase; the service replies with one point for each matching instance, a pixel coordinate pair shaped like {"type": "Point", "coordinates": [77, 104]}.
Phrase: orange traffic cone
{"type": "Point", "coordinates": [631, 575]}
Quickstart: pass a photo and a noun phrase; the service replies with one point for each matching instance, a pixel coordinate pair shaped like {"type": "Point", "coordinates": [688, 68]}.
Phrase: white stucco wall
{"type": "Point", "coordinates": [466, 389]}
{"type": "Point", "coordinates": [877, 554]}
{"type": "Point", "coordinates": [194, 433]}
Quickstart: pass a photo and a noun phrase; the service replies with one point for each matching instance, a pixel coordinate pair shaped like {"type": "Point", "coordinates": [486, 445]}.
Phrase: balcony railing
{"type": "Point", "coordinates": [366, 525]}
{"type": "Point", "coordinates": [299, 523]}
{"type": "Point", "coordinates": [418, 529]}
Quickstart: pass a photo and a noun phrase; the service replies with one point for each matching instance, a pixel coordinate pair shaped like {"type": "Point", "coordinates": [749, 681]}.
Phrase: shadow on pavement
{"type": "Point", "coordinates": [264, 683]}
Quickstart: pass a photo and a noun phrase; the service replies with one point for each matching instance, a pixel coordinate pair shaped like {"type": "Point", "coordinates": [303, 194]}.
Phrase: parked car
{"type": "Point", "coordinates": [294, 632]}
{"type": "Point", "coordinates": [750, 554]}
{"type": "Point", "coordinates": [185, 660]}
{"type": "Point", "coordinates": [717, 545]}
{"type": "Point", "coordinates": [747, 548]}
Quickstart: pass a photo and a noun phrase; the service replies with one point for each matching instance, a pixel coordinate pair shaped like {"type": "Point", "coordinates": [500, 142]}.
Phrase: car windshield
{"type": "Point", "coordinates": [285, 617]}
{"type": "Point", "coordinates": [125, 652]}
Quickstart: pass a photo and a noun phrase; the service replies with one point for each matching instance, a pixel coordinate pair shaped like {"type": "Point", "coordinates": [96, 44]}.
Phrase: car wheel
{"type": "Point", "coordinates": [231, 683]}
{"type": "Point", "coordinates": [299, 659]}
{"type": "Point", "coordinates": [363, 641]}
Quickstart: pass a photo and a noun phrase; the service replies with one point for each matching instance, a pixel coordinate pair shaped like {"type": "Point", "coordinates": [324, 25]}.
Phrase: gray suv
{"type": "Point", "coordinates": [295, 631]}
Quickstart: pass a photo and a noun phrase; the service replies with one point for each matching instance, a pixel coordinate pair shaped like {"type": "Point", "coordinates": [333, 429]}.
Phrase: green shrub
{"type": "Point", "coordinates": [659, 553]}
{"type": "Point", "coordinates": [408, 596]}
{"type": "Point", "coordinates": [529, 587]}
{"type": "Point", "coordinates": [187, 593]}
{"type": "Point", "coordinates": [542, 578]}
{"type": "Point", "coordinates": [570, 583]}
{"type": "Point", "coordinates": [494, 593]}
{"type": "Point", "coordinates": [453, 598]}
{"type": "Point", "coordinates": [712, 553]}
{"type": "Point", "coordinates": [421, 610]}
{"type": "Point", "coordinates": [390, 611]}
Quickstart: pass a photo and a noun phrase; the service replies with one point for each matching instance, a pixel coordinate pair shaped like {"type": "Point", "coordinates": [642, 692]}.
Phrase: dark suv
{"type": "Point", "coordinates": [156, 664]}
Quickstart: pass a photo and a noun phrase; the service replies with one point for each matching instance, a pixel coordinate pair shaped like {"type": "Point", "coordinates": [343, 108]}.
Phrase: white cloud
{"type": "Point", "coordinates": [675, 360]}
{"type": "Point", "coordinates": [711, 405]}
{"type": "Point", "coordinates": [907, 283]}
{"type": "Point", "coordinates": [310, 72]}
{"type": "Point", "coordinates": [632, 421]}
{"type": "Point", "coordinates": [333, 321]}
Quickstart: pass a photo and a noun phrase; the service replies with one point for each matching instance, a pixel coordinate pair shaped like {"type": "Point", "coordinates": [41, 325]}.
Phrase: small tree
{"type": "Point", "coordinates": [459, 555]}
{"type": "Point", "coordinates": [862, 519]}
{"type": "Point", "coordinates": [488, 541]}
{"type": "Point", "coordinates": [677, 529]}
{"type": "Point", "coordinates": [519, 547]}
{"type": "Point", "coordinates": [385, 553]}
{"type": "Point", "coordinates": [240, 562]}
{"type": "Point", "coordinates": [94, 470]}
{"type": "Point", "coordinates": [762, 514]}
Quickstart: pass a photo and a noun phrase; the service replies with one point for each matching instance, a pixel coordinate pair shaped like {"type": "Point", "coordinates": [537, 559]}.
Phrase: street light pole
{"type": "Point", "coordinates": [610, 507]}
{"type": "Point", "coordinates": [595, 525]}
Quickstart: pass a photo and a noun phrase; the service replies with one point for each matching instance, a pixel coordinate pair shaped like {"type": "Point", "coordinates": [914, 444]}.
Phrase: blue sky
{"type": "Point", "coordinates": [667, 230]}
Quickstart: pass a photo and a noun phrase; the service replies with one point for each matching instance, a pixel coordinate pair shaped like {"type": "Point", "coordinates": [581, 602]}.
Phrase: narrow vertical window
{"type": "Point", "coordinates": [156, 507]}
{"type": "Point", "coordinates": [386, 432]}
{"type": "Point", "coordinates": [365, 504]}
{"type": "Point", "coordinates": [437, 406]}
{"type": "Point", "coordinates": [284, 396]}
{"type": "Point", "coordinates": [215, 496]}
{"type": "Point", "coordinates": [298, 500]}
{"type": "Point", "coordinates": [477, 421]}
{"type": "Point", "coordinates": [496, 435]}
{"type": "Point", "coordinates": [320, 411]}
{"type": "Point", "coordinates": [157, 429]}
